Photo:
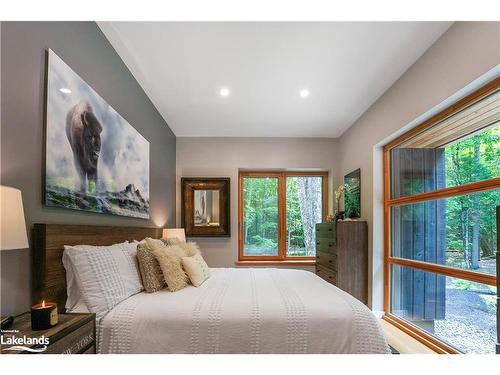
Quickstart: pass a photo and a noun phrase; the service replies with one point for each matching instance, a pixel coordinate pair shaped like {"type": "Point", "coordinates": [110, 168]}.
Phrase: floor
{"type": "Point", "coordinates": [401, 342]}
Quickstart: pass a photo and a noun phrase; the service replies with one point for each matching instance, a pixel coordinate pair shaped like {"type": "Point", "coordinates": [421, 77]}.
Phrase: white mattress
{"type": "Point", "coordinates": [244, 311]}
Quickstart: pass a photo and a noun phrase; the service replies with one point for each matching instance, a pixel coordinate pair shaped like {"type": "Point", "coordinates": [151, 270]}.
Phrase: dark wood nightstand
{"type": "Point", "coordinates": [74, 334]}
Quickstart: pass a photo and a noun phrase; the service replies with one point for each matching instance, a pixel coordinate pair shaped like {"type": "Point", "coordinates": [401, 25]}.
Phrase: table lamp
{"type": "Point", "coordinates": [12, 227]}
{"type": "Point", "coordinates": [175, 233]}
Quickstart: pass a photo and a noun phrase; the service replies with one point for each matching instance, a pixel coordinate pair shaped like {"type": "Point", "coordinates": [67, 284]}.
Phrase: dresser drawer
{"type": "Point", "coordinates": [325, 230]}
{"type": "Point", "coordinates": [326, 245]}
{"type": "Point", "coordinates": [327, 260]}
{"type": "Point", "coordinates": [74, 342]}
{"type": "Point", "coordinates": [326, 274]}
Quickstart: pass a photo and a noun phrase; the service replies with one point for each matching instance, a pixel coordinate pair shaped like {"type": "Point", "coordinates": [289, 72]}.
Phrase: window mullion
{"type": "Point", "coordinates": [470, 188]}
{"type": "Point", "coordinates": [440, 269]}
{"type": "Point", "coordinates": [282, 215]}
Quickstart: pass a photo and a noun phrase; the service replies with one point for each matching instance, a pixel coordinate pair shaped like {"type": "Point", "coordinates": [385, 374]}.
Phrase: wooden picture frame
{"type": "Point", "coordinates": [205, 206]}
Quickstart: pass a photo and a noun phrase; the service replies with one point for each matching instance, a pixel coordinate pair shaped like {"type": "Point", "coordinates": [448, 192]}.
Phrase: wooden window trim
{"type": "Point", "coordinates": [470, 99]}
{"type": "Point", "coordinates": [281, 258]}
{"type": "Point", "coordinates": [452, 191]}
{"type": "Point", "coordinates": [465, 274]}
{"type": "Point", "coordinates": [428, 340]}
{"type": "Point", "coordinates": [414, 331]}
{"type": "Point", "coordinates": [290, 262]}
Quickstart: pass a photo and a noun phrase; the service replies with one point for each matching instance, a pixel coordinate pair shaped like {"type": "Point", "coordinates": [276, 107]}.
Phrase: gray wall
{"type": "Point", "coordinates": [87, 51]}
{"type": "Point", "coordinates": [223, 157]}
{"type": "Point", "coordinates": [462, 55]}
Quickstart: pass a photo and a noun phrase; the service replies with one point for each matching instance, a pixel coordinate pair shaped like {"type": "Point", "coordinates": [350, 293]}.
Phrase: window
{"type": "Point", "coordinates": [441, 190]}
{"type": "Point", "coordinates": [278, 212]}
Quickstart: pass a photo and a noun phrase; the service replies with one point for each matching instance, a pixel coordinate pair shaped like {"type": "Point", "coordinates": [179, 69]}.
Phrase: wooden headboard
{"type": "Point", "coordinates": [47, 271]}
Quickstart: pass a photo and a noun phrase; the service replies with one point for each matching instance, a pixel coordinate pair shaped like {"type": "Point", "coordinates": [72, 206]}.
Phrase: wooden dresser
{"type": "Point", "coordinates": [342, 256]}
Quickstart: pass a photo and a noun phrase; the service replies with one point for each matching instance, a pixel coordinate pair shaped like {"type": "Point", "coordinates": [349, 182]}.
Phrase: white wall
{"type": "Point", "coordinates": [462, 55]}
{"type": "Point", "coordinates": [222, 157]}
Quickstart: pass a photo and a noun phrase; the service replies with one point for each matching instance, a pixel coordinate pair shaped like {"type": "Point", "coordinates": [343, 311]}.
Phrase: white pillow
{"type": "Point", "coordinates": [79, 308]}
{"type": "Point", "coordinates": [75, 302]}
{"type": "Point", "coordinates": [72, 289]}
{"type": "Point", "coordinates": [105, 275]}
{"type": "Point", "coordinates": [196, 268]}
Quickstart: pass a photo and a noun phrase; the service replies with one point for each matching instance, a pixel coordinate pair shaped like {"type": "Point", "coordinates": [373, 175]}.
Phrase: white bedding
{"type": "Point", "coordinates": [244, 311]}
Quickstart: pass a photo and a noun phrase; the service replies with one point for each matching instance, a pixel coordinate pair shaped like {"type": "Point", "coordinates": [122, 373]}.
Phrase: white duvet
{"type": "Point", "coordinates": [244, 311]}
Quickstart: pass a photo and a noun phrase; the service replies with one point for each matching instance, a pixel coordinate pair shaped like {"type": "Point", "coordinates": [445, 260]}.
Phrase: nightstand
{"type": "Point", "coordinates": [74, 334]}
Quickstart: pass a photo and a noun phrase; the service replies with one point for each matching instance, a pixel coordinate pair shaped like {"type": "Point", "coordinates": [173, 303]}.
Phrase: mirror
{"type": "Point", "coordinates": [206, 208]}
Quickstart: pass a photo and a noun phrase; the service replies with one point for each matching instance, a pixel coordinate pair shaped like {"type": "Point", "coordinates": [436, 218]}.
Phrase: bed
{"type": "Point", "coordinates": [237, 310]}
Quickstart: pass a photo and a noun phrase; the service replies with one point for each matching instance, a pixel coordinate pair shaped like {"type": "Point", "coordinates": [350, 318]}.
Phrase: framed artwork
{"type": "Point", "coordinates": [94, 159]}
{"type": "Point", "coordinates": [205, 208]}
{"type": "Point", "coordinates": [352, 196]}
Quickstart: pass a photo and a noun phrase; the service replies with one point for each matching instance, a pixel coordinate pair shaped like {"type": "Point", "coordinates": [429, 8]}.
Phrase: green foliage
{"type": "Point", "coordinates": [263, 242]}
{"type": "Point", "coordinates": [472, 159]}
{"type": "Point", "coordinates": [260, 215]}
{"type": "Point", "coordinates": [462, 284]}
{"type": "Point", "coordinates": [352, 203]}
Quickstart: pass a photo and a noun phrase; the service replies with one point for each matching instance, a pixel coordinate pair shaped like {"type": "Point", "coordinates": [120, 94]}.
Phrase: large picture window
{"type": "Point", "coordinates": [442, 187]}
{"type": "Point", "coordinates": [278, 213]}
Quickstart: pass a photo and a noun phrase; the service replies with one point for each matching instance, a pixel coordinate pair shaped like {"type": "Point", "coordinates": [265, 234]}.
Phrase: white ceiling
{"type": "Point", "coordinates": [345, 66]}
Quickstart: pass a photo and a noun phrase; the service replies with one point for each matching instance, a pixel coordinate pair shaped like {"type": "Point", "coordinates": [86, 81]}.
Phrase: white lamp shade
{"type": "Point", "coordinates": [175, 233]}
{"type": "Point", "coordinates": [13, 225]}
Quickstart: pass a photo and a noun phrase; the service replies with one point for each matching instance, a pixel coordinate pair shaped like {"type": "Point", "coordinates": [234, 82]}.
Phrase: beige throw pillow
{"type": "Point", "coordinates": [151, 274]}
{"type": "Point", "coordinates": [170, 260]}
{"type": "Point", "coordinates": [196, 268]}
{"type": "Point", "coordinates": [191, 248]}
{"type": "Point", "coordinates": [171, 241]}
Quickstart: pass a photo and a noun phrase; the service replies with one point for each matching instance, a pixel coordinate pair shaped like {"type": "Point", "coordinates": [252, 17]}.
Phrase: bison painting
{"type": "Point", "coordinates": [83, 130]}
{"type": "Point", "coordinates": [94, 159]}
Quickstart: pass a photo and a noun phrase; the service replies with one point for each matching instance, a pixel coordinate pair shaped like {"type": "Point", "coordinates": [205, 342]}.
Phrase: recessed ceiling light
{"type": "Point", "coordinates": [224, 91]}
{"type": "Point", "coordinates": [65, 90]}
{"type": "Point", "coordinates": [304, 93]}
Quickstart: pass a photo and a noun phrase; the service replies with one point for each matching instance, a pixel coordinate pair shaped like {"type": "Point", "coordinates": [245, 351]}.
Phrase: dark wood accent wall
{"type": "Point", "coordinates": [419, 233]}
{"type": "Point", "coordinates": [47, 272]}
{"type": "Point", "coordinates": [342, 256]}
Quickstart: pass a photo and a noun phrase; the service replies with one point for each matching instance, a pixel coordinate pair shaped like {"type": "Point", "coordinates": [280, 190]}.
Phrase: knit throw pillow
{"type": "Point", "coordinates": [151, 274]}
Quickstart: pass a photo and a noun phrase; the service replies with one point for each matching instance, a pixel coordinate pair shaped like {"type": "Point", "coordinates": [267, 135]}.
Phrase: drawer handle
{"type": "Point", "coordinates": [330, 229]}
{"type": "Point", "coordinates": [330, 245]}
{"type": "Point", "coordinates": [330, 261]}
{"type": "Point", "coordinates": [317, 243]}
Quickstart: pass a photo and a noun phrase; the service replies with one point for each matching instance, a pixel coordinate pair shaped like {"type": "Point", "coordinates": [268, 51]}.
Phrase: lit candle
{"type": "Point", "coordinates": [43, 316]}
